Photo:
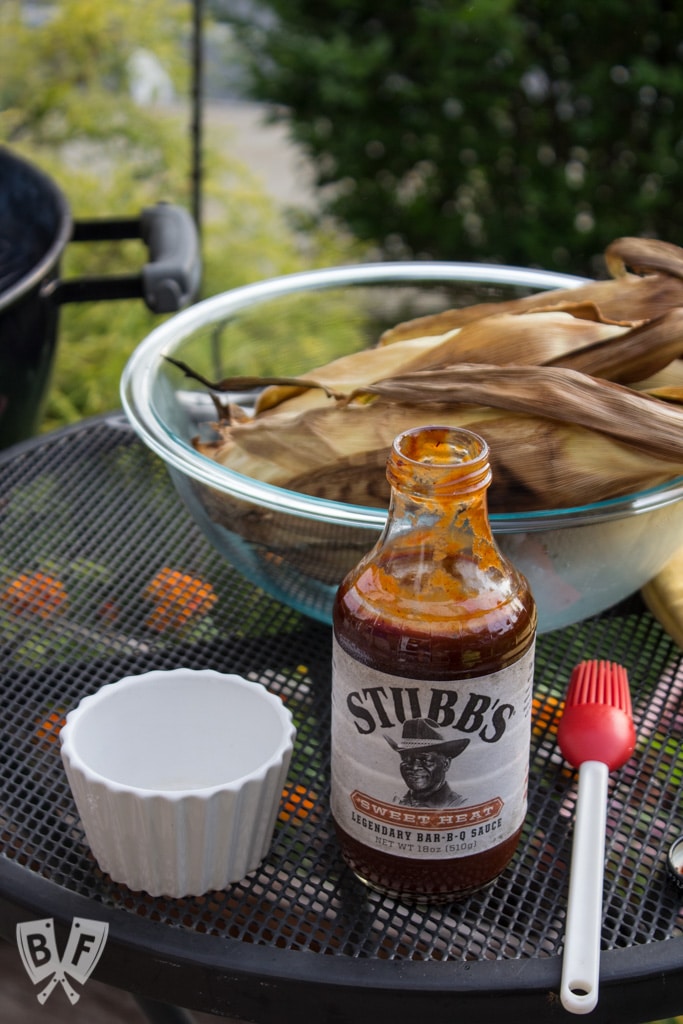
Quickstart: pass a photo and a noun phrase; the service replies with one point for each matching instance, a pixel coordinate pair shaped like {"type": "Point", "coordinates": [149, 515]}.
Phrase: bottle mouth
{"type": "Point", "coordinates": [439, 458]}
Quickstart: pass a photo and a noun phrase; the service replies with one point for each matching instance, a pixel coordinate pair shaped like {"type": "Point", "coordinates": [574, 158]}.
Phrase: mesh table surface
{"type": "Point", "coordinates": [88, 520]}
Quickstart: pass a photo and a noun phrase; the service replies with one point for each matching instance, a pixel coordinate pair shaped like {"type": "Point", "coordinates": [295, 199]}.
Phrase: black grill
{"type": "Point", "coordinates": [16, 258]}
{"type": "Point", "coordinates": [30, 218]}
{"type": "Point", "coordinates": [95, 510]}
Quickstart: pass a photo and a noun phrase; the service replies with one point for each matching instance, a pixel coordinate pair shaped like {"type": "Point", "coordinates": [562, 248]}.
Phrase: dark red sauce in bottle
{"type": "Point", "coordinates": [433, 668]}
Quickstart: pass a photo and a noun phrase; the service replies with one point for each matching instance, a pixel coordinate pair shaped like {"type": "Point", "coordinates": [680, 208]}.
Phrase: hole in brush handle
{"type": "Point", "coordinates": [579, 996]}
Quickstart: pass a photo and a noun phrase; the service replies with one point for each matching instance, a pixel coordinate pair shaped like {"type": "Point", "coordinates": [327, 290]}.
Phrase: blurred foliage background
{"type": "Point", "coordinates": [515, 131]}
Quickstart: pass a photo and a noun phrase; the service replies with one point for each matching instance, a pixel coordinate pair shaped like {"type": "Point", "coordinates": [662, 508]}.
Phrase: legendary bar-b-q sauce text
{"type": "Point", "coordinates": [433, 653]}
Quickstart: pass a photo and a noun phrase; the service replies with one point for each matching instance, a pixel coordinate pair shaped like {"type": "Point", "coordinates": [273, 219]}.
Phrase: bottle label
{"type": "Point", "coordinates": [430, 770]}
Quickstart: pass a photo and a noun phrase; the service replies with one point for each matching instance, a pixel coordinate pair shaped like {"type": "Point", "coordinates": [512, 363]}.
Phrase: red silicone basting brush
{"type": "Point", "coordinates": [596, 735]}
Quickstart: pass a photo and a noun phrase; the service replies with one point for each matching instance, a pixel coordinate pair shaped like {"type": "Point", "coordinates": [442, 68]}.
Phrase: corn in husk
{"type": "Point", "coordinates": [663, 595]}
{"type": "Point", "coordinates": [578, 393]}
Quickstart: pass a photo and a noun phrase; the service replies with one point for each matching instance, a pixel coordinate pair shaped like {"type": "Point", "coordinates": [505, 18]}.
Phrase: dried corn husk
{"type": "Point", "coordinates": [631, 355]}
{"type": "Point", "coordinates": [624, 297]}
{"type": "Point", "coordinates": [535, 466]}
{"type": "Point", "coordinates": [652, 427]}
{"type": "Point", "coordinates": [542, 379]}
{"type": "Point", "coordinates": [644, 256]}
{"type": "Point", "coordinates": [347, 372]}
{"type": "Point", "coordinates": [524, 339]}
{"type": "Point", "coordinates": [644, 314]}
{"type": "Point", "coordinates": [596, 440]}
{"type": "Point", "coordinates": [669, 377]}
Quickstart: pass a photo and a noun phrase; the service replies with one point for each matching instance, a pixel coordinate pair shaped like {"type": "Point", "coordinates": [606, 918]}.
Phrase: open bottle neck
{"type": "Point", "coordinates": [439, 478]}
{"type": "Point", "coordinates": [438, 463]}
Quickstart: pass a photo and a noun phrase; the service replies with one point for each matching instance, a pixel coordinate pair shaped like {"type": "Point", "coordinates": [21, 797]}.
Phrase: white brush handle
{"type": "Point", "coordinates": [581, 962]}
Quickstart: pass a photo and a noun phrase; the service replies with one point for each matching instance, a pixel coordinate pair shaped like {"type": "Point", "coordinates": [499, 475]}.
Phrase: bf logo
{"type": "Point", "coordinates": [38, 950]}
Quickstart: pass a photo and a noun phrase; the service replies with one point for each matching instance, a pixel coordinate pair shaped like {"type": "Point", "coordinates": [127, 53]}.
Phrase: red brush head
{"type": "Point", "coordinates": [597, 723]}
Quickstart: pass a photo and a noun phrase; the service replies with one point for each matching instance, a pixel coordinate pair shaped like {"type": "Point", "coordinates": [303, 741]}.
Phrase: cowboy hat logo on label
{"type": "Point", "coordinates": [37, 946]}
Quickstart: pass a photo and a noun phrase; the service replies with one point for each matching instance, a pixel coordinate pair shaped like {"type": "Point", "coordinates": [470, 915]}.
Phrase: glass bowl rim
{"type": "Point", "coordinates": [178, 453]}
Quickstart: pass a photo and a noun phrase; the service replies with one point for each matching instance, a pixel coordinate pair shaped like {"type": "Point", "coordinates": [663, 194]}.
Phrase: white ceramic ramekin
{"type": "Point", "coordinates": [177, 777]}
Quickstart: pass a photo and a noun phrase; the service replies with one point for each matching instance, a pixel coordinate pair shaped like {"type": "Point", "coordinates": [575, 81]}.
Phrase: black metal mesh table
{"type": "Point", "coordinates": [88, 520]}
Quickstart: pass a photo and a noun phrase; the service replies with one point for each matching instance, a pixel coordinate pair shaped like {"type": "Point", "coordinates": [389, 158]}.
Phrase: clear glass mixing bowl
{"type": "Point", "coordinates": [579, 561]}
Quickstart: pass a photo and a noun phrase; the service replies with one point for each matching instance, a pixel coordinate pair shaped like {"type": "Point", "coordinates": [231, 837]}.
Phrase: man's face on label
{"type": "Point", "coordinates": [424, 773]}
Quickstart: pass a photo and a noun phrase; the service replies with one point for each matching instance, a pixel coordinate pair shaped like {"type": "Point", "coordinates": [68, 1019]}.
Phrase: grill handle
{"type": "Point", "coordinates": [171, 278]}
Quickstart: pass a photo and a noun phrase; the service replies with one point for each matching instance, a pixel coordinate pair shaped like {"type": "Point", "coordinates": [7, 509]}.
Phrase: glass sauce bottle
{"type": "Point", "coordinates": [433, 650]}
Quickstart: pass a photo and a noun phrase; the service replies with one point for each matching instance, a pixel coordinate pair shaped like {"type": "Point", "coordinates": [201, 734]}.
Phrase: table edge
{"type": "Point", "coordinates": [148, 959]}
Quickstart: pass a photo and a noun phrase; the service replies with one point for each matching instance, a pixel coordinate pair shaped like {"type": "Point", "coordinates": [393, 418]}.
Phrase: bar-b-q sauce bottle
{"type": "Point", "coordinates": [433, 651]}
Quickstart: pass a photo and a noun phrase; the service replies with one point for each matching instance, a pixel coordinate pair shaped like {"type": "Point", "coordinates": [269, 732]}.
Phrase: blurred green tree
{"type": "Point", "coordinates": [521, 131]}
